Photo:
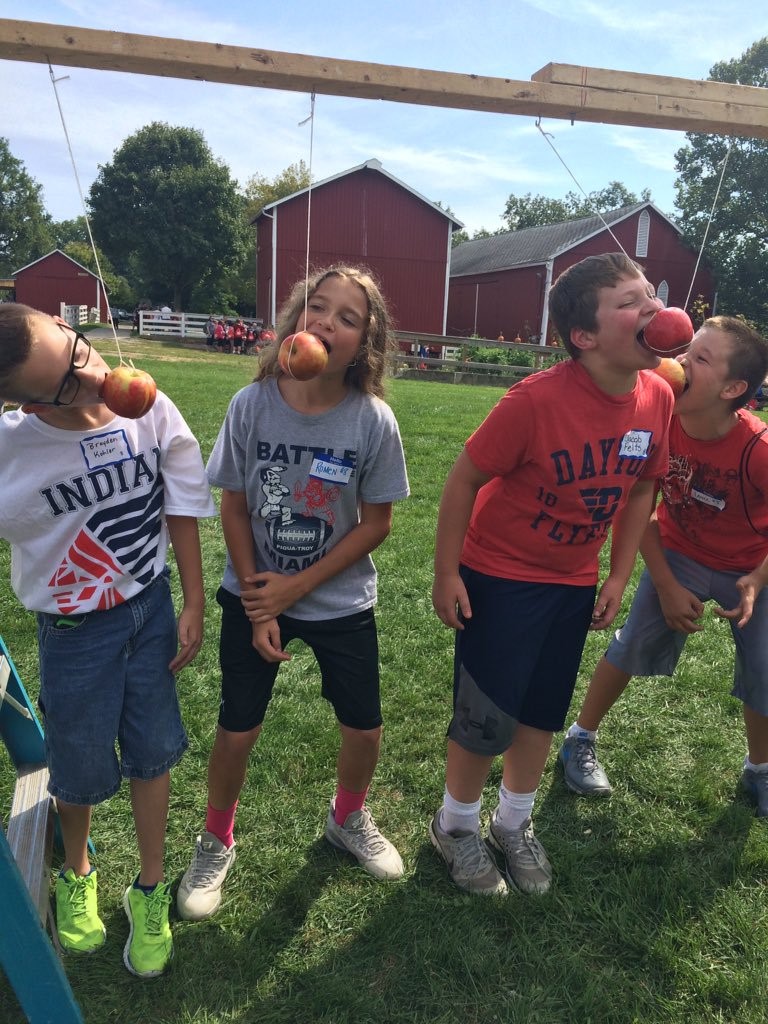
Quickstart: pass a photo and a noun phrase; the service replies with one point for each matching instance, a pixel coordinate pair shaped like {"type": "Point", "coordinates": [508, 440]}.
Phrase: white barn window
{"type": "Point", "coordinates": [643, 230]}
{"type": "Point", "coordinates": [662, 292]}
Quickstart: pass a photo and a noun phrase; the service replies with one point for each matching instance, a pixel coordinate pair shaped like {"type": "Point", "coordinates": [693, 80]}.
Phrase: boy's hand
{"type": "Point", "coordinates": [190, 632]}
{"type": "Point", "coordinates": [681, 609]}
{"type": "Point", "coordinates": [448, 595]}
{"type": "Point", "coordinates": [748, 587]}
{"type": "Point", "coordinates": [269, 595]}
{"type": "Point", "coordinates": [607, 604]}
{"type": "Point", "coordinates": [266, 640]}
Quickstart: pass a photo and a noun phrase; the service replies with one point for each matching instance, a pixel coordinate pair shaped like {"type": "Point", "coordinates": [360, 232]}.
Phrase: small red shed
{"type": "Point", "coordinates": [500, 285]}
{"type": "Point", "coordinates": [55, 279]}
{"type": "Point", "coordinates": [361, 216]}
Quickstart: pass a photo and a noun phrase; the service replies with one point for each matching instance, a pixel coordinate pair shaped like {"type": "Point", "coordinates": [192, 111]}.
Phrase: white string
{"type": "Point", "coordinates": [82, 202]}
{"type": "Point", "coordinates": [548, 139]}
{"type": "Point", "coordinates": [709, 222]}
{"type": "Point", "coordinates": [311, 120]}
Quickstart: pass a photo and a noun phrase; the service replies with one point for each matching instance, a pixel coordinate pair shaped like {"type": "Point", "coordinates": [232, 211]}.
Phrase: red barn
{"type": "Point", "coordinates": [500, 285]}
{"type": "Point", "coordinates": [55, 279]}
{"type": "Point", "coordinates": [361, 216]}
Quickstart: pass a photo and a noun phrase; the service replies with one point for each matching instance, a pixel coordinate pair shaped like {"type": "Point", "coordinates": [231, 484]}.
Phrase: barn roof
{"type": "Point", "coordinates": [535, 245]}
{"type": "Point", "coordinates": [371, 165]}
{"type": "Point", "coordinates": [51, 253]}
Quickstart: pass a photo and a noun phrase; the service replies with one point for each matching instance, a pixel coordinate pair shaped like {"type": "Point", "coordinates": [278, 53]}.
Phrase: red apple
{"type": "Point", "coordinates": [673, 373]}
{"type": "Point", "coordinates": [669, 332]}
{"type": "Point", "coordinates": [128, 392]}
{"type": "Point", "coordinates": [302, 356]}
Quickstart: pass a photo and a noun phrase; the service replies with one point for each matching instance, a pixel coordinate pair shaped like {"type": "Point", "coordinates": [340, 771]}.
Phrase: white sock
{"type": "Point", "coordinates": [761, 769]}
{"type": "Point", "coordinates": [576, 730]}
{"type": "Point", "coordinates": [458, 817]}
{"type": "Point", "coordinates": [514, 808]}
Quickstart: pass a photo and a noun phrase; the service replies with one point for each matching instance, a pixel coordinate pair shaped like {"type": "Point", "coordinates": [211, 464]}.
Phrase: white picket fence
{"type": "Point", "coordinates": [155, 324]}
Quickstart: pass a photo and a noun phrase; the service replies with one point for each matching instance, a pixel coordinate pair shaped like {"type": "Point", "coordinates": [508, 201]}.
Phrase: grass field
{"type": "Point", "coordinates": [658, 912]}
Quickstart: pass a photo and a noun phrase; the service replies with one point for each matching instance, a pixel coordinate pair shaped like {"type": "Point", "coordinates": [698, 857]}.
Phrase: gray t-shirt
{"type": "Point", "coordinates": [304, 477]}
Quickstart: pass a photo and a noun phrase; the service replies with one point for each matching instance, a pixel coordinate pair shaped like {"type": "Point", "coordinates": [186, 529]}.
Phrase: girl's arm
{"type": "Point", "coordinates": [185, 539]}
{"type": "Point", "coordinates": [267, 594]}
{"type": "Point", "coordinates": [236, 524]}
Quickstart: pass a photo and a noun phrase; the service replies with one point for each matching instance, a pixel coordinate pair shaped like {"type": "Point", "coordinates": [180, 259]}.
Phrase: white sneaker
{"type": "Point", "coordinates": [360, 837]}
{"type": "Point", "coordinates": [199, 894]}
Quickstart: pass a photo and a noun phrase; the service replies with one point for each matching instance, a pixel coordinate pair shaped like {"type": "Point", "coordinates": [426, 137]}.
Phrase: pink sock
{"type": "Point", "coordinates": [346, 803]}
{"type": "Point", "coordinates": [222, 823]}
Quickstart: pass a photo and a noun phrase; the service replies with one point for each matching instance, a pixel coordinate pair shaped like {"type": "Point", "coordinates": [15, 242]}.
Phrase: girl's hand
{"type": "Point", "coordinates": [266, 640]}
{"type": "Point", "coordinates": [269, 594]}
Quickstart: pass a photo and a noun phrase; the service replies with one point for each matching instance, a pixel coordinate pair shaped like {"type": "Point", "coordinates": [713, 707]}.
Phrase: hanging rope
{"type": "Point", "coordinates": [54, 82]}
{"type": "Point", "coordinates": [311, 120]}
{"type": "Point", "coordinates": [709, 222]}
{"type": "Point", "coordinates": [548, 138]}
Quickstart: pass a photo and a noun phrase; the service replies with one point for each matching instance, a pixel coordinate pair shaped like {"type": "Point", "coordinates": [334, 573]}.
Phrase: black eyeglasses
{"type": "Point", "coordinates": [70, 386]}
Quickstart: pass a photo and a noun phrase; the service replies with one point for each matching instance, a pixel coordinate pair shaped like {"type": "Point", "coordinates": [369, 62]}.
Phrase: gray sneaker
{"type": "Point", "coordinates": [199, 894]}
{"type": "Point", "coordinates": [524, 857]}
{"type": "Point", "coordinates": [756, 784]}
{"type": "Point", "coordinates": [583, 772]}
{"type": "Point", "coordinates": [470, 865]}
{"type": "Point", "coordinates": [360, 836]}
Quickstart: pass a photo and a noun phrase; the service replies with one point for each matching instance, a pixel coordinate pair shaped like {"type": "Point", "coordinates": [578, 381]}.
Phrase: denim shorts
{"type": "Point", "coordinates": [646, 646]}
{"type": "Point", "coordinates": [517, 659]}
{"type": "Point", "coordinates": [104, 680]}
{"type": "Point", "coordinates": [346, 650]}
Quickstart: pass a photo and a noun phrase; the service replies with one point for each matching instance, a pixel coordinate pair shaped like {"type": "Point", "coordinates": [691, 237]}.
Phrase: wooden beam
{"type": "Point", "coordinates": [692, 109]}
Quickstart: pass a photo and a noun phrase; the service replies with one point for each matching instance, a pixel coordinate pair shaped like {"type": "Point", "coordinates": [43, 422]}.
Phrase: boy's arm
{"type": "Point", "coordinates": [749, 587]}
{"type": "Point", "coordinates": [626, 533]}
{"type": "Point", "coordinates": [680, 607]}
{"type": "Point", "coordinates": [185, 539]}
{"type": "Point", "coordinates": [267, 594]}
{"type": "Point", "coordinates": [456, 504]}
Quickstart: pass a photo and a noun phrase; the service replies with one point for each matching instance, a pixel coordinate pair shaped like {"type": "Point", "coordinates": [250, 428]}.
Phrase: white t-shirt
{"type": "Point", "coordinates": [84, 512]}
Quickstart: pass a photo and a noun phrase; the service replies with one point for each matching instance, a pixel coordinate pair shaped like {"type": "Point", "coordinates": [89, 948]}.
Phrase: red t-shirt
{"type": "Point", "coordinates": [713, 506]}
{"type": "Point", "coordinates": [563, 456]}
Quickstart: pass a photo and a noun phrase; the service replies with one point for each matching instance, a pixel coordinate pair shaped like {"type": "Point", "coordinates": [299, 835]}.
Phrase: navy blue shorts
{"type": "Point", "coordinates": [517, 659]}
{"type": "Point", "coordinates": [346, 651]}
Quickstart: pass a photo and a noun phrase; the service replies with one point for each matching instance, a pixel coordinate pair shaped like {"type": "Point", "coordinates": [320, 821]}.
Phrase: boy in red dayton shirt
{"type": "Point", "coordinates": [565, 456]}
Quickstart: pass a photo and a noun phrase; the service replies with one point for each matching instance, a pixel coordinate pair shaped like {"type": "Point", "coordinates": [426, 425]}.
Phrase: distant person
{"type": "Point", "coordinates": [707, 540]}
{"type": "Point", "coordinates": [209, 330]}
{"type": "Point", "coordinates": [220, 335]}
{"type": "Point", "coordinates": [309, 471]}
{"type": "Point", "coordinates": [94, 572]}
{"type": "Point", "coordinates": [524, 513]}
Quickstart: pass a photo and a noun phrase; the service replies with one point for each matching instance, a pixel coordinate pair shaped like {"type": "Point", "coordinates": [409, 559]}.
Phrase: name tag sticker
{"type": "Point", "coordinates": [106, 449]}
{"type": "Point", "coordinates": [331, 468]}
{"type": "Point", "coordinates": [708, 499]}
{"type": "Point", "coordinates": [635, 444]}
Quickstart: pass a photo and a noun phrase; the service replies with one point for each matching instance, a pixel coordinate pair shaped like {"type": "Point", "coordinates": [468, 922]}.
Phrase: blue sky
{"type": "Point", "coordinates": [468, 160]}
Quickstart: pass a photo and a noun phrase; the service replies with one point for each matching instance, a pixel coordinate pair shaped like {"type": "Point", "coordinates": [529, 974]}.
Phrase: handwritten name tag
{"type": "Point", "coordinates": [635, 444]}
{"type": "Point", "coordinates": [106, 449]}
{"type": "Point", "coordinates": [332, 469]}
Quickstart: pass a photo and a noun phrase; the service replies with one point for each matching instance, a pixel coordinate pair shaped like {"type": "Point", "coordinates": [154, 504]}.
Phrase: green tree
{"type": "Point", "coordinates": [25, 226]}
{"type": "Point", "coordinates": [531, 211]}
{"type": "Point", "coordinates": [66, 231]}
{"type": "Point", "coordinates": [260, 191]}
{"type": "Point", "coordinates": [168, 214]}
{"type": "Point", "coordinates": [735, 245]}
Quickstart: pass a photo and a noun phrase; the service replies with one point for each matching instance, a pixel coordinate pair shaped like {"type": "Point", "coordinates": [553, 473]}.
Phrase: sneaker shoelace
{"type": "Point", "coordinates": [207, 865]}
{"type": "Point", "coordinates": [523, 845]}
{"type": "Point", "coordinates": [585, 756]}
{"type": "Point", "coordinates": [77, 895]}
{"type": "Point", "coordinates": [367, 835]}
{"type": "Point", "coordinates": [157, 905]}
{"type": "Point", "coordinates": [471, 855]}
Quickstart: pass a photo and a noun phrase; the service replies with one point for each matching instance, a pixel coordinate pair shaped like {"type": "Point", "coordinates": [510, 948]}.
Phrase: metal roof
{"type": "Point", "coordinates": [535, 245]}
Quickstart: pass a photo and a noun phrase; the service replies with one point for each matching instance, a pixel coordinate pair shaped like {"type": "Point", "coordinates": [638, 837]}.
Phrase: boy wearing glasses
{"type": "Point", "coordinates": [90, 502]}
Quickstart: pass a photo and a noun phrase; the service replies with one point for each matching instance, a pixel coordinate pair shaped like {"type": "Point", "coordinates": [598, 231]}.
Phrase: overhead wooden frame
{"type": "Point", "coordinates": [557, 90]}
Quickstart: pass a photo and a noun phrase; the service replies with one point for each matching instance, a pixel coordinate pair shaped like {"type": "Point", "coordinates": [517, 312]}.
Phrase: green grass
{"type": "Point", "coordinates": [658, 912]}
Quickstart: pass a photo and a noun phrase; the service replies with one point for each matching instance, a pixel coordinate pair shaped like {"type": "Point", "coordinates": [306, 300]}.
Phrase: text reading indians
{"type": "Point", "coordinates": [613, 457]}
{"type": "Point", "coordinates": [103, 483]}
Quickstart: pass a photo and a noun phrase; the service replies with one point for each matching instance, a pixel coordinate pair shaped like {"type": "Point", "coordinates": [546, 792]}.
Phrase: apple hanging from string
{"type": "Point", "coordinates": [673, 373]}
{"type": "Point", "coordinates": [128, 392]}
{"type": "Point", "coordinates": [668, 332]}
{"type": "Point", "coordinates": [302, 356]}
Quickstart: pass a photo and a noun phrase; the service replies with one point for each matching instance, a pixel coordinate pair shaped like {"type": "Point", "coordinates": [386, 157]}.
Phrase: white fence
{"type": "Point", "coordinates": [155, 324]}
{"type": "Point", "coordinates": [74, 315]}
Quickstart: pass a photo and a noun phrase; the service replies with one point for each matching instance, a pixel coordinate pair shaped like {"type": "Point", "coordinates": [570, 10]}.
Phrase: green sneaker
{"type": "Point", "coordinates": [77, 914]}
{"type": "Point", "coordinates": [149, 948]}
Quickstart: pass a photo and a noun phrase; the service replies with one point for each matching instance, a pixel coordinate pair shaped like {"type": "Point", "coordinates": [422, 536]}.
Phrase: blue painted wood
{"type": "Point", "coordinates": [27, 957]}
{"type": "Point", "coordinates": [22, 736]}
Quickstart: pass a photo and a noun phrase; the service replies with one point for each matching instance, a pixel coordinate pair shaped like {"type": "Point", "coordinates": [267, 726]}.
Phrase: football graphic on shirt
{"type": "Point", "coordinates": [302, 535]}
